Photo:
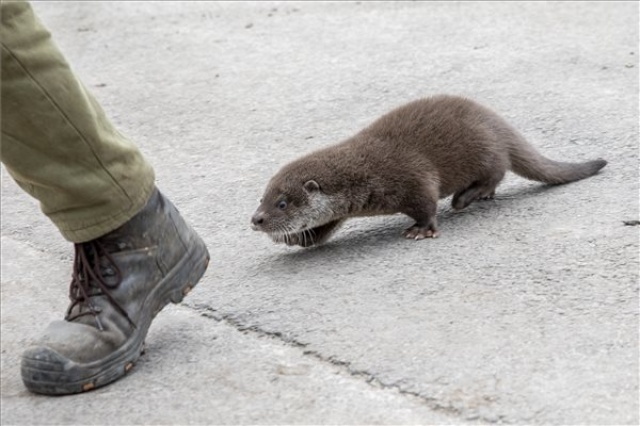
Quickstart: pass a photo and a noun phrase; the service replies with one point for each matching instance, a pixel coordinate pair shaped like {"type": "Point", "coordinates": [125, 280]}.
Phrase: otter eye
{"type": "Point", "coordinates": [282, 205]}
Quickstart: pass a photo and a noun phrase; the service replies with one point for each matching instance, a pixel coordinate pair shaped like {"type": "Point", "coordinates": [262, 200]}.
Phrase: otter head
{"type": "Point", "coordinates": [290, 209]}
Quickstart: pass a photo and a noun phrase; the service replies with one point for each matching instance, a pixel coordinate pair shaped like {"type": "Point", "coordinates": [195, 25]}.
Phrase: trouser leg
{"type": "Point", "coordinates": [56, 141]}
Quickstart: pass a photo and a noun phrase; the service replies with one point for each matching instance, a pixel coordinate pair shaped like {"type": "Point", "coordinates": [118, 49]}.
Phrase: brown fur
{"type": "Point", "coordinates": [403, 163]}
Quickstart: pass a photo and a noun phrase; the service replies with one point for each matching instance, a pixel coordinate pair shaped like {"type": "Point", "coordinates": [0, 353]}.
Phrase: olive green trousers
{"type": "Point", "coordinates": [56, 141]}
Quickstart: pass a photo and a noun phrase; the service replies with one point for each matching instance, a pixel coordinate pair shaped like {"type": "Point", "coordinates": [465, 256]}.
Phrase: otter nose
{"type": "Point", "coordinates": [257, 219]}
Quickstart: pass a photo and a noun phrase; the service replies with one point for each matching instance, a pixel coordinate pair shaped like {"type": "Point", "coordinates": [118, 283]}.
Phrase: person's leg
{"type": "Point", "coordinates": [133, 251]}
{"type": "Point", "coordinates": [56, 141]}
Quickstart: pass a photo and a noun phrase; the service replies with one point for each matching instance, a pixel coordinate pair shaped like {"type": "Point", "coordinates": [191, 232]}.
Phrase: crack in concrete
{"type": "Point", "coordinates": [370, 378]}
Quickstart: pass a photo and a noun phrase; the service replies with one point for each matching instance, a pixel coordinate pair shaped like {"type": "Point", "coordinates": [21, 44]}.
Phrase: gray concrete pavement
{"type": "Point", "coordinates": [525, 311]}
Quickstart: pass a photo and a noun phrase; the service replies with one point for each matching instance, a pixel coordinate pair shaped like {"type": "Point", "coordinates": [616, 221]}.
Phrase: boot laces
{"type": "Point", "coordinates": [90, 279]}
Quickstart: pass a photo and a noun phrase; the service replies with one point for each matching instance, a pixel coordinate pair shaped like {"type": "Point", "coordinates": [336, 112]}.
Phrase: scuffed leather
{"type": "Point", "coordinates": [144, 249]}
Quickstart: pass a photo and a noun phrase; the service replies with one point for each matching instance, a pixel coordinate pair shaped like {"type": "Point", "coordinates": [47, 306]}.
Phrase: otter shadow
{"type": "Point", "coordinates": [386, 231]}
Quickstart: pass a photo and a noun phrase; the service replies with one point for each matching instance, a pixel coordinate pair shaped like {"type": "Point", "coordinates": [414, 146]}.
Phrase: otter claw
{"type": "Point", "coordinates": [417, 233]}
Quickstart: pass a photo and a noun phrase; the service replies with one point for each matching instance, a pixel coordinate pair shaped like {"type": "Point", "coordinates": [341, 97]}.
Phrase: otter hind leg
{"type": "Point", "coordinates": [483, 189]}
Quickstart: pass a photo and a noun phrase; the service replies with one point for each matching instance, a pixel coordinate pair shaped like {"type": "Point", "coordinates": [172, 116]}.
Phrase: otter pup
{"type": "Point", "coordinates": [403, 163]}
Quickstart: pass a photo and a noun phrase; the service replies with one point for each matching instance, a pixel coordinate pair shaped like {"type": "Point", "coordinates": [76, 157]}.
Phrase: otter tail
{"type": "Point", "coordinates": [530, 164]}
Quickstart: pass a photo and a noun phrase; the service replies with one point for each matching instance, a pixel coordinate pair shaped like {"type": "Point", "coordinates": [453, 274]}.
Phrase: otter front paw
{"type": "Point", "coordinates": [420, 232]}
{"type": "Point", "coordinates": [302, 239]}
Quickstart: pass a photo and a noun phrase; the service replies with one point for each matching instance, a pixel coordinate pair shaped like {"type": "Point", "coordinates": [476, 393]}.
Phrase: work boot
{"type": "Point", "coordinates": [120, 282]}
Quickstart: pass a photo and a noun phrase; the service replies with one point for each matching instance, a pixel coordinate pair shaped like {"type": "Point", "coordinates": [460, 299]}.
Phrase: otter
{"type": "Point", "coordinates": [404, 162]}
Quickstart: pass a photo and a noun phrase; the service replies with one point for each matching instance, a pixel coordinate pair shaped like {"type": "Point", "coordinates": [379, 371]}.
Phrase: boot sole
{"type": "Point", "coordinates": [44, 371]}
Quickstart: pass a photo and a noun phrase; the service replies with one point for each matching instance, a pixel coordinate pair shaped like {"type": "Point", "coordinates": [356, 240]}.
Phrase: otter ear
{"type": "Point", "coordinates": [311, 186]}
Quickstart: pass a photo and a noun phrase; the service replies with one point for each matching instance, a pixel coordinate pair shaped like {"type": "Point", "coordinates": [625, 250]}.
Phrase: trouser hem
{"type": "Point", "coordinates": [104, 225]}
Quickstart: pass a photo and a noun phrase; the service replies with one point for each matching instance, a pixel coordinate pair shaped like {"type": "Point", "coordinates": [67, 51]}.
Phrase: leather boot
{"type": "Point", "coordinates": [120, 282]}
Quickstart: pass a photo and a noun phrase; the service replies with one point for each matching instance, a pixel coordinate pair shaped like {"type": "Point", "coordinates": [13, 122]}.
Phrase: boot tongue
{"type": "Point", "coordinates": [95, 274]}
{"type": "Point", "coordinates": [116, 245]}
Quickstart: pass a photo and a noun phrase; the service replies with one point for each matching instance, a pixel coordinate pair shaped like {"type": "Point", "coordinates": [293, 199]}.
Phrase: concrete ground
{"type": "Point", "coordinates": [525, 311]}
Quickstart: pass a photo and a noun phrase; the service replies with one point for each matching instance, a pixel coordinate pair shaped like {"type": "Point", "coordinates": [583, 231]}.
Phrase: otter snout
{"type": "Point", "coordinates": [257, 220]}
